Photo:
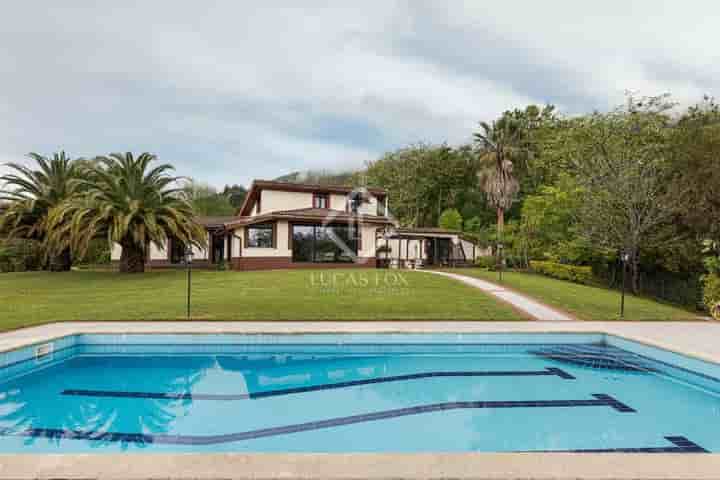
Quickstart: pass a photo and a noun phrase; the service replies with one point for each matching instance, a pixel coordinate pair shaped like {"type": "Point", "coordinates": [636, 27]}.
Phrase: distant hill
{"type": "Point", "coordinates": [320, 177]}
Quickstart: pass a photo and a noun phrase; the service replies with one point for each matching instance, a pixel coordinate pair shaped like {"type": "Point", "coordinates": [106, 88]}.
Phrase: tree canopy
{"type": "Point", "coordinates": [129, 201]}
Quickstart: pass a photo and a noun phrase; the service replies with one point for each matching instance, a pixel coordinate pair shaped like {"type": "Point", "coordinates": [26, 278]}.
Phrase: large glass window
{"type": "Point", "coordinates": [303, 239]}
{"type": "Point", "coordinates": [259, 236]}
{"type": "Point", "coordinates": [324, 244]}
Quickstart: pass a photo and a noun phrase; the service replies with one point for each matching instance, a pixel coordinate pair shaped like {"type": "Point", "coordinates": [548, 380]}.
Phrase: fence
{"type": "Point", "coordinates": [670, 287]}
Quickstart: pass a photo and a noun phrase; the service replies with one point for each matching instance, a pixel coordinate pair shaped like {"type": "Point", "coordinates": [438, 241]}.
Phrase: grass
{"type": "Point", "coordinates": [583, 301]}
{"type": "Point", "coordinates": [40, 297]}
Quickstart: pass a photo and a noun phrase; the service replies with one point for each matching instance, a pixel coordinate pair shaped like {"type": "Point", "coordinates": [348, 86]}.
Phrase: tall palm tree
{"type": "Point", "coordinates": [129, 203]}
{"type": "Point", "coordinates": [500, 145]}
{"type": "Point", "coordinates": [30, 193]}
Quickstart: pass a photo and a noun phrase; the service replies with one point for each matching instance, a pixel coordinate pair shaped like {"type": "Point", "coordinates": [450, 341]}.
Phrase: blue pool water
{"type": "Point", "coordinates": [412, 393]}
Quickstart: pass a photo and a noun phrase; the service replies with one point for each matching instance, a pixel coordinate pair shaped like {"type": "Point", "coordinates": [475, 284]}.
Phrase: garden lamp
{"type": "Point", "coordinates": [624, 258]}
{"type": "Point", "coordinates": [188, 262]}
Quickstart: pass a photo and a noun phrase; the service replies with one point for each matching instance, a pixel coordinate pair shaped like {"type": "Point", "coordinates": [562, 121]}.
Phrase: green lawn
{"type": "Point", "coordinates": [582, 301]}
{"type": "Point", "coordinates": [40, 297]}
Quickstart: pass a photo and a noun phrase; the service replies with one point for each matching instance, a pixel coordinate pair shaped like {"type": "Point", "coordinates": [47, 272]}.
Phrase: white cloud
{"type": "Point", "coordinates": [233, 91]}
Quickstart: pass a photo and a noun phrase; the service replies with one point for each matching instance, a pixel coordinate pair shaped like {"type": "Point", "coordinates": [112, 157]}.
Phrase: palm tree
{"type": "Point", "coordinates": [130, 204]}
{"type": "Point", "coordinates": [30, 194]}
{"type": "Point", "coordinates": [500, 144]}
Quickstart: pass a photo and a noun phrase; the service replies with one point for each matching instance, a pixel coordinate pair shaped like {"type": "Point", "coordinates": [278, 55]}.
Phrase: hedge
{"type": "Point", "coordinates": [711, 294]}
{"type": "Point", "coordinates": [488, 263]}
{"type": "Point", "coordinates": [561, 271]}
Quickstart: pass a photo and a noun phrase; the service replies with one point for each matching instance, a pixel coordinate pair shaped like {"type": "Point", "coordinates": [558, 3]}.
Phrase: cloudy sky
{"type": "Point", "coordinates": [231, 91]}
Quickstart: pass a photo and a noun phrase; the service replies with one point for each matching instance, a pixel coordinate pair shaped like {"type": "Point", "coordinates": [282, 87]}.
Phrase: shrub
{"type": "Point", "coordinates": [561, 271]}
{"type": "Point", "coordinates": [473, 225]}
{"type": "Point", "coordinates": [711, 294]}
{"type": "Point", "coordinates": [19, 256]}
{"type": "Point", "coordinates": [98, 253]}
{"type": "Point", "coordinates": [450, 219]}
{"type": "Point", "coordinates": [488, 263]}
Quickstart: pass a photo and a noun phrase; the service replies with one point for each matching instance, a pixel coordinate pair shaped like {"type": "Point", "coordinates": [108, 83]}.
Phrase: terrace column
{"type": "Point", "coordinates": [399, 250]}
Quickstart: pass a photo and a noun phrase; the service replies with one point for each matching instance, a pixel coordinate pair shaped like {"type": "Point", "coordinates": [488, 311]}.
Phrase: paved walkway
{"type": "Point", "coordinates": [531, 307]}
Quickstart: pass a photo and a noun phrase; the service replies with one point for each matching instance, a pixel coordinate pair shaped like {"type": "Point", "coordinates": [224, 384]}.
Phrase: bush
{"type": "Point", "coordinates": [98, 253]}
{"type": "Point", "coordinates": [19, 256]}
{"type": "Point", "coordinates": [711, 294]}
{"type": "Point", "coordinates": [561, 271]}
{"type": "Point", "coordinates": [488, 263]}
{"type": "Point", "coordinates": [450, 219]}
{"type": "Point", "coordinates": [473, 225]}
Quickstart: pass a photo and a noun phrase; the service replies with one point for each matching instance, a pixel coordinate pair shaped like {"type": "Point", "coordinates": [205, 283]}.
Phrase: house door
{"type": "Point", "coordinates": [217, 250]}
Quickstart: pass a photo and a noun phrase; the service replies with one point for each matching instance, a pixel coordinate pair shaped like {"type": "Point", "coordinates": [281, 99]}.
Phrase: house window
{"type": "Point", "coordinates": [260, 236]}
{"type": "Point", "coordinates": [324, 243]}
{"type": "Point", "coordinates": [321, 200]}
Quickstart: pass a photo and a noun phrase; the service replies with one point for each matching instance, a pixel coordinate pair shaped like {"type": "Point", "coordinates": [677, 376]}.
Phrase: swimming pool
{"type": "Point", "coordinates": [356, 393]}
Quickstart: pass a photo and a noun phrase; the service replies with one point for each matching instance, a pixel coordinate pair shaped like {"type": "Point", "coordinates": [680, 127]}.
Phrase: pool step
{"type": "Point", "coordinates": [602, 357]}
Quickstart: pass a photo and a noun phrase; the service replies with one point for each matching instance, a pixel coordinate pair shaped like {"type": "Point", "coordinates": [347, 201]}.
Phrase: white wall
{"type": "Point", "coordinates": [367, 243]}
{"type": "Point", "coordinates": [159, 253]}
{"type": "Point", "coordinates": [479, 251]}
{"type": "Point", "coordinates": [338, 201]}
{"type": "Point", "coordinates": [237, 236]}
{"type": "Point", "coordinates": [273, 200]}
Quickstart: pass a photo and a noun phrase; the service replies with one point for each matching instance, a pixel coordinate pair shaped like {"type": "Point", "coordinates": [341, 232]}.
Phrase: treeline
{"type": "Point", "coordinates": [207, 201]}
{"type": "Point", "coordinates": [638, 184]}
{"type": "Point", "coordinates": [320, 177]}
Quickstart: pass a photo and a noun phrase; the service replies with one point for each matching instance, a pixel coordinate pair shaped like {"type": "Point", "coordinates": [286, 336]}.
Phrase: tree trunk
{"type": "Point", "coordinates": [61, 262]}
{"type": "Point", "coordinates": [500, 223]}
{"type": "Point", "coordinates": [500, 227]}
{"type": "Point", "coordinates": [635, 270]}
{"type": "Point", "coordinates": [132, 259]}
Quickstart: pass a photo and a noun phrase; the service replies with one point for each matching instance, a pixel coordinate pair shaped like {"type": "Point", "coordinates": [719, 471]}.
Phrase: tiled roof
{"type": "Point", "coordinates": [320, 214]}
{"type": "Point", "coordinates": [214, 221]}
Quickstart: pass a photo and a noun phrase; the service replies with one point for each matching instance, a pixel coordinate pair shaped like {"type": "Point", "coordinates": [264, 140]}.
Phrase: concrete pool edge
{"type": "Point", "coordinates": [486, 466]}
{"type": "Point", "coordinates": [699, 340]}
{"type": "Point", "coordinates": [702, 343]}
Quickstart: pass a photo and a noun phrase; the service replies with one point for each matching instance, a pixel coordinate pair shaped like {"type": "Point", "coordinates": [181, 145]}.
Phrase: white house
{"type": "Point", "coordinates": [291, 225]}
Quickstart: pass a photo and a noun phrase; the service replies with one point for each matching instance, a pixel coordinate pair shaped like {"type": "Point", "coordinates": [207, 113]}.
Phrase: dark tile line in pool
{"type": "Point", "coordinates": [549, 371]}
{"type": "Point", "coordinates": [682, 445]}
{"type": "Point", "coordinates": [600, 400]}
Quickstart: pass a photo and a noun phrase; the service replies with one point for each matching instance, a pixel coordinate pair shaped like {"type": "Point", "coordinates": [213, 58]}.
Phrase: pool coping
{"type": "Point", "coordinates": [700, 340]}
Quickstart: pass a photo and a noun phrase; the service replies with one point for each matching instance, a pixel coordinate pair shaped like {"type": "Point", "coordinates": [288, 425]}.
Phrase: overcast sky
{"type": "Point", "coordinates": [242, 90]}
